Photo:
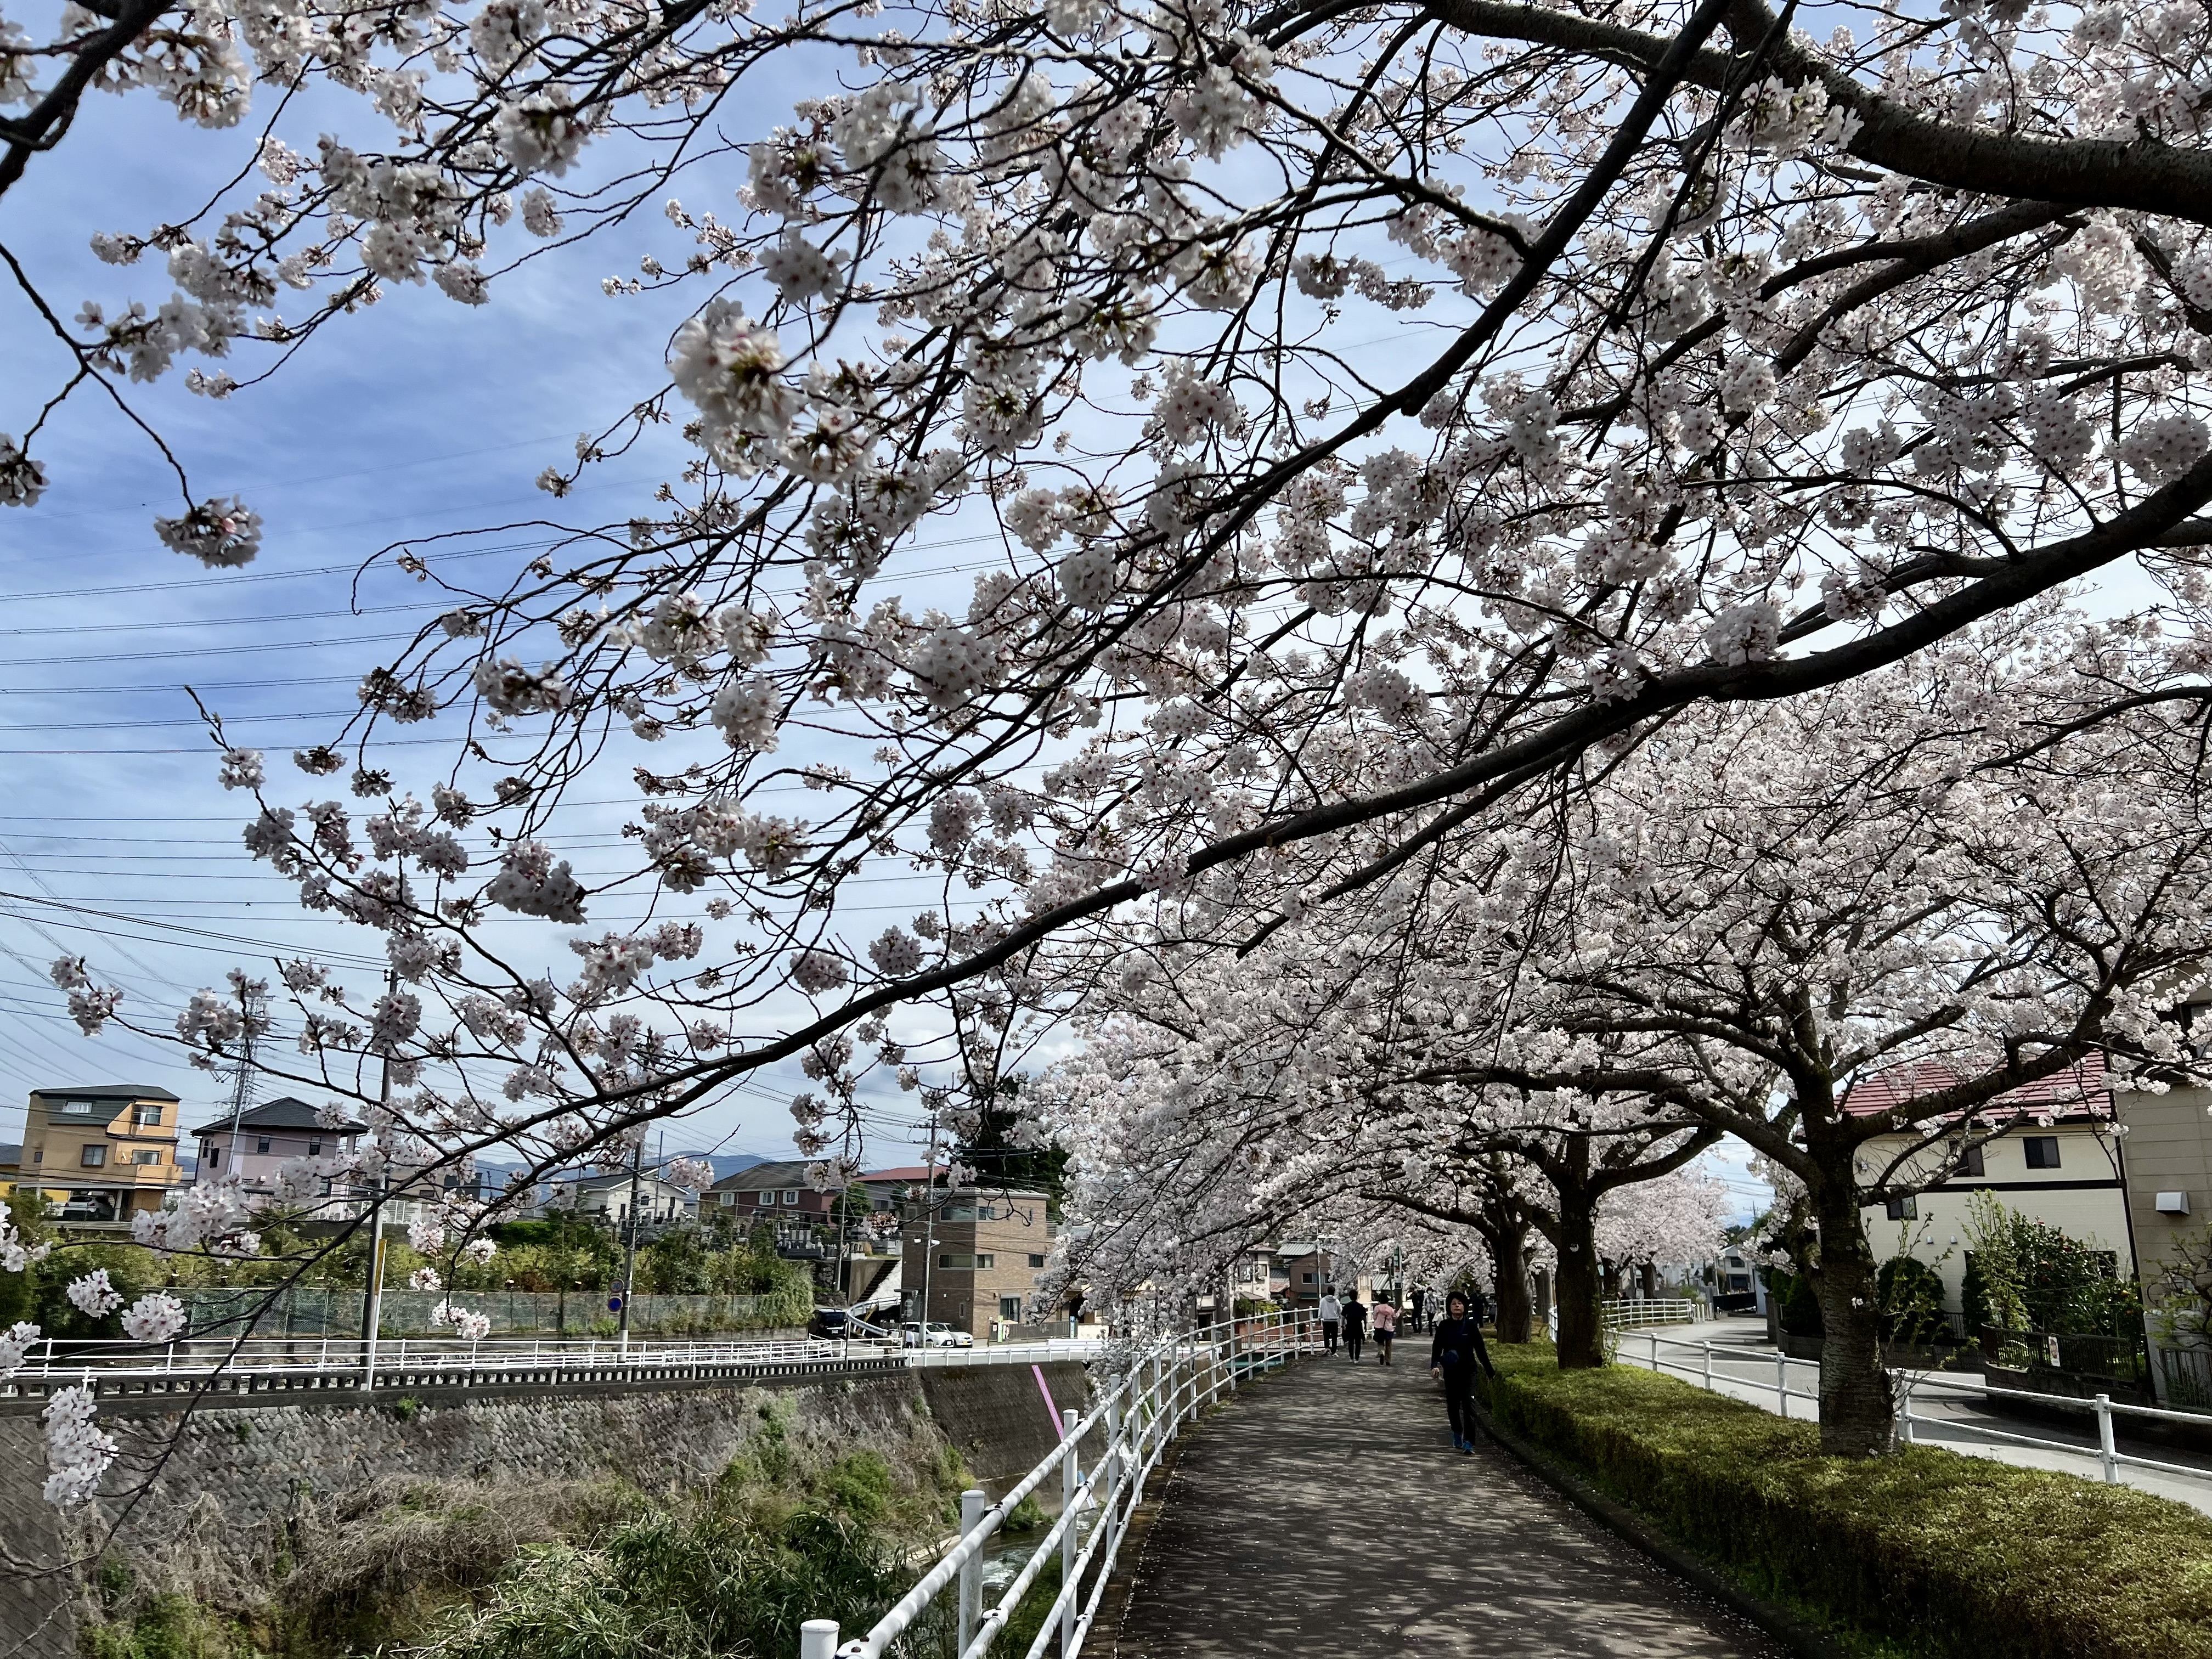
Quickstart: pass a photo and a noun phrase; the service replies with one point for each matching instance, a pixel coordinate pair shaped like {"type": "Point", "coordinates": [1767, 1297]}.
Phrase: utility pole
{"type": "Point", "coordinates": [928, 1226]}
{"type": "Point", "coordinates": [630, 1251]}
{"type": "Point", "coordinates": [373, 1314]}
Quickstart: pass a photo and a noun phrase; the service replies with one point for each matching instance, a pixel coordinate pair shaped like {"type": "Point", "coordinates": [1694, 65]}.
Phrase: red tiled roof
{"type": "Point", "coordinates": [910, 1172]}
{"type": "Point", "coordinates": [2080, 1091]}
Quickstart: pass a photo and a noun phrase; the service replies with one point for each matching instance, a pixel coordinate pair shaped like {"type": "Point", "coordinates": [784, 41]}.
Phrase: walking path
{"type": "Point", "coordinates": [1324, 1510]}
{"type": "Point", "coordinates": [1744, 1368]}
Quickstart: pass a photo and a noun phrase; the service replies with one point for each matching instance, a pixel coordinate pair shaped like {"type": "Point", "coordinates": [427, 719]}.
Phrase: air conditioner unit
{"type": "Point", "coordinates": [2174, 1203]}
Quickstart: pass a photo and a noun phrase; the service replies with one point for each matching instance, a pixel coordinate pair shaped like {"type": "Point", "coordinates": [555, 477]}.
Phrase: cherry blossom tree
{"type": "Point", "coordinates": [1377, 419]}
{"type": "Point", "coordinates": [1945, 867]}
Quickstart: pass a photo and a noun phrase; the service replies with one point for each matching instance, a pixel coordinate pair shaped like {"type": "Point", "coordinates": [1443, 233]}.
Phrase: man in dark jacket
{"type": "Point", "coordinates": [1457, 1350]}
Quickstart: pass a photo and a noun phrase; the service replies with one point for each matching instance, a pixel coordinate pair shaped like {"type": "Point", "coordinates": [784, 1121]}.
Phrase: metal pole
{"type": "Point", "coordinates": [817, 1639]}
{"type": "Point", "coordinates": [1652, 1337]}
{"type": "Point", "coordinates": [1904, 1413]}
{"type": "Point", "coordinates": [629, 1252]}
{"type": "Point", "coordinates": [2107, 1454]}
{"type": "Point", "coordinates": [1709, 1367]}
{"type": "Point", "coordinates": [1071, 1488]}
{"type": "Point", "coordinates": [1111, 1481]}
{"type": "Point", "coordinates": [971, 1575]}
{"type": "Point", "coordinates": [929, 1227]}
{"type": "Point", "coordinates": [1782, 1383]}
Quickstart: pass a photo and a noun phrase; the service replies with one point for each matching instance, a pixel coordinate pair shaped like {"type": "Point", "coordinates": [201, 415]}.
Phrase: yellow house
{"type": "Point", "coordinates": [99, 1152]}
{"type": "Point", "coordinates": [2047, 1151]}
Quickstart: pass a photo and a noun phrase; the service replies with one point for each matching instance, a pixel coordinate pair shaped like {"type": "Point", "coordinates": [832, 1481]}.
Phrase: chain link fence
{"type": "Point", "coordinates": [312, 1311]}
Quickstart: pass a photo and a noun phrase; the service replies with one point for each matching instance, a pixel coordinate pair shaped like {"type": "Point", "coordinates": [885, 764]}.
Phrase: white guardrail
{"type": "Point", "coordinates": [2102, 1408]}
{"type": "Point", "coordinates": [1130, 1428]}
{"type": "Point", "coordinates": [283, 1364]}
{"type": "Point", "coordinates": [1650, 1310]}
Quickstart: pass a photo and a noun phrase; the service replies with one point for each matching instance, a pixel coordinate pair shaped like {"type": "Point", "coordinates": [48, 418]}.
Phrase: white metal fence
{"type": "Point", "coordinates": [1128, 1430]}
{"type": "Point", "coordinates": [278, 1364]}
{"type": "Point", "coordinates": [1651, 1311]}
{"type": "Point", "coordinates": [2101, 1408]}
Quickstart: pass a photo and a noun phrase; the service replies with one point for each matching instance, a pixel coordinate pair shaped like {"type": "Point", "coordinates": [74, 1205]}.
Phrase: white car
{"type": "Point", "coordinates": [913, 1334]}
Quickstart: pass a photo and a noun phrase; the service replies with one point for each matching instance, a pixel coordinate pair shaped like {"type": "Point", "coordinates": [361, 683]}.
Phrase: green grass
{"type": "Point", "coordinates": [1937, 1553]}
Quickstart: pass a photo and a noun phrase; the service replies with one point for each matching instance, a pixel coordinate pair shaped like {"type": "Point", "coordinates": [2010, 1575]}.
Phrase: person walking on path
{"type": "Point", "coordinates": [1332, 1313]}
{"type": "Point", "coordinates": [1453, 1356]}
{"type": "Point", "coordinates": [1384, 1318]}
{"type": "Point", "coordinates": [1355, 1326]}
{"type": "Point", "coordinates": [1419, 1297]}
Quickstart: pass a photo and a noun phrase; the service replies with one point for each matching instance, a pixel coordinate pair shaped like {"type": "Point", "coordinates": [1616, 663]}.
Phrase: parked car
{"type": "Point", "coordinates": [913, 1334]}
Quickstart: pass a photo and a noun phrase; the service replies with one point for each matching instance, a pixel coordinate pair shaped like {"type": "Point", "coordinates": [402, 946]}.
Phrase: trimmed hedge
{"type": "Point", "coordinates": [1945, 1554]}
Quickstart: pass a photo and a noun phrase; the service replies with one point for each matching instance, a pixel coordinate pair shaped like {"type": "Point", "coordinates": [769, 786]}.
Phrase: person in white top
{"type": "Point", "coordinates": [1332, 1317]}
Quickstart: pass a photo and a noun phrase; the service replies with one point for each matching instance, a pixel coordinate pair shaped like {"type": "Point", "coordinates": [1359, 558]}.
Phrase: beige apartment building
{"type": "Point", "coordinates": [2169, 1166]}
{"type": "Point", "coordinates": [979, 1254]}
{"type": "Point", "coordinates": [100, 1153]}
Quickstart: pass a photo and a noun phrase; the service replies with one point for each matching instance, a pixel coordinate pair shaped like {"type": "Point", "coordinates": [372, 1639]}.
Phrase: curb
{"type": "Point", "coordinates": [1787, 1628]}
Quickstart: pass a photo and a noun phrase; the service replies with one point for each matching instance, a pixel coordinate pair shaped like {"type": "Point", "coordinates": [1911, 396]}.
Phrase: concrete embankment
{"type": "Point", "coordinates": [217, 1500]}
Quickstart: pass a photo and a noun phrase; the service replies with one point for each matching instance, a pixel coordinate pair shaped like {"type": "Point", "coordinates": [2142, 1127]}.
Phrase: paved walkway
{"type": "Point", "coordinates": [1324, 1510]}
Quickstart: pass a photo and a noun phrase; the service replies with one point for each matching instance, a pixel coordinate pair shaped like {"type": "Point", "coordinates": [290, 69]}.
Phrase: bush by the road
{"type": "Point", "coordinates": [1942, 1553]}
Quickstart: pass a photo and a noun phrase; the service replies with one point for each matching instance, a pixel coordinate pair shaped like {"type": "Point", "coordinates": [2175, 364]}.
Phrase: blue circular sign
{"type": "Point", "coordinates": [614, 1304]}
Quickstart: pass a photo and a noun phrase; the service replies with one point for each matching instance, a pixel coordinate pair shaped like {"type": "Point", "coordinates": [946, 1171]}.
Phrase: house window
{"type": "Point", "coordinates": [986, 1213]}
{"type": "Point", "coordinates": [145, 1116]}
{"type": "Point", "coordinates": [315, 1150]}
{"type": "Point", "coordinates": [77, 1108]}
{"type": "Point", "coordinates": [95, 1157]}
{"type": "Point", "coordinates": [1010, 1308]}
{"type": "Point", "coordinates": [1904, 1209]}
{"type": "Point", "coordinates": [1035, 1261]}
{"type": "Point", "coordinates": [791, 1195]}
{"type": "Point", "coordinates": [261, 1143]}
{"type": "Point", "coordinates": [2042, 1152]}
{"type": "Point", "coordinates": [728, 1199]}
{"type": "Point", "coordinates": [215, 1158]}
{"type": "Point", "coordinates": [149, 1156]}
{"type": "Point", "coordinates": [1969, 1162]}
{"type": "Point", "coordinates": [962, 1262]}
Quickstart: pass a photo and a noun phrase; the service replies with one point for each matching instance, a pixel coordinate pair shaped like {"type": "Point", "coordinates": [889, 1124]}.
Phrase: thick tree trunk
{"type": "Point", "coordinates": [1511, 1248]}
{"type": "Point", "coordinates": [1582, 1334]}
{"type": "Point", "coordinates": [1858, 1409]}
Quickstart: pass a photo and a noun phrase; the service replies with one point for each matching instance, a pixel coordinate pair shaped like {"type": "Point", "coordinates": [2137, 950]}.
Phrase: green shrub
{"type": "Point", "coordinates": [662, 1586]}
{"type": "Point", "coordinates": [1911, 1295]}
{"type": "Point", "coordinates": [1927, 1548]}
{"type": "Point", "coordinates": [1800, 1309]}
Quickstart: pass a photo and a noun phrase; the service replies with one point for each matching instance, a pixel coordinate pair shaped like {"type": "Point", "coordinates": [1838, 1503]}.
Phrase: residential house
{"type": "Point", "coordinates": [266, 1138]}
{"type": "Point", "coordinates": [2047, 1151]}
{"type": "Point", "coordinates": [773, 1192]}
{"type": "Point", "coordinates": [605, 1198]}
{"type": "Point", "coordinates": [972, 1258]}
{"type": "Point", "coordinates": [100, 1153]}
{"type": "Point", "coordinates": [285, 1130]}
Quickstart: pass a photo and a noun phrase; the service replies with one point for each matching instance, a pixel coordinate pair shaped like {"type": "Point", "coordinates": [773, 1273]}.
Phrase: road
{"type": "Point", "coordinates": [1744, 1368]}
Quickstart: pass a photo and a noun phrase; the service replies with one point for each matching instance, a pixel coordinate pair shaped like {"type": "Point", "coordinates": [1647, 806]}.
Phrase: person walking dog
{"type": "Point", "coordinates": [1453, 1356]}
